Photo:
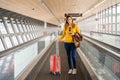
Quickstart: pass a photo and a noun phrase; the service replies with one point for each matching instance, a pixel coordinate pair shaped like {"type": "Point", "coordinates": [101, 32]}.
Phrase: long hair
{"type": "Point", "coordinates": [67, 24]}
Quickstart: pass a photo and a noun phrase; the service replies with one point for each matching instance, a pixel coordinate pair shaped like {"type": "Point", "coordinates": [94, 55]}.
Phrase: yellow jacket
{"type": "Point", "coordinates": [66, 36]}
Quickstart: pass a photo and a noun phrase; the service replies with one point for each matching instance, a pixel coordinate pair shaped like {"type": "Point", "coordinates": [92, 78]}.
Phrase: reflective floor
{"type": "Point", "coordinates": [44, 73]}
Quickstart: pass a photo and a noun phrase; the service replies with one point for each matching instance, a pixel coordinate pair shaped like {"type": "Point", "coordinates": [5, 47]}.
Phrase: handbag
{"type": "Point", "coordinates": [77, 37]}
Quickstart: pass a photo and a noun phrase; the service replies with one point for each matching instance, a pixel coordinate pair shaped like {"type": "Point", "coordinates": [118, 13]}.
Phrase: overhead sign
{"type": "Point", "coordinates": [74, 14]}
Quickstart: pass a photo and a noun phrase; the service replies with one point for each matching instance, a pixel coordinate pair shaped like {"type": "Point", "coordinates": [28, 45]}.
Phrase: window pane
{"type": "Point", "coordinates": [15, 40]}
{"type": "Point", "coordinates": [103, 20]}
{"type": "Point", "coordinates": [24, 38]}
{"type": "Point", "coordinates": [35, 35]}
{"type": "Point", "coordinates": [32, 27]}
{"type": "Point", "coordinates": [118, 13]}
{"type": "Point", "coordinates": [118, 28]}
{"type": "Point", "coordinates": [109, 19]}
{"type": "Point", "coordinates": [106, 12]}
{"type": "Point", "coordinates": [9, 26]}
{"type": "Point", "coordinates": [8, 42]}
{"type": "Point", "coordinates": [28, 37]}
{"type": "Point", "coordinates": [2, 28]}
{"type": "Point", "coordinates": [118, 19]}
{"type": "Point", "coordinates": [24, 28]}
{"type": "Point", "coordinates": [110, 10]}
{"type": "Point", "coordinates": [21, 30]}
{"type": "Point", "coordinates": [1, 46]}
{"type": "Point", "coordinates": [107, 28]}
{"type": "Point", "coordinates": [20, 39]}
{"type": "Point", "coordinates": [35, 28]}
{"type": "Point", "coordinates": [106, 20]}
{"type": "Point", "coordinates": [28, 27]}
{"type": "Point", "coordinates": [114, 28]}
{"type": "Point", "coordinates": [114, 10]}
{"type": "Point", "coordinates": [38, 34]}
{"type": "Point", "coordinates": [15, 26]}
{"type": "Point", "coordinates": [110, 29]}
{"type": "Point", "coordinates": [118, 8]}
{"type": "Point", "coordinates": [31, 35]}
{"type": "Point", "coordinates": [113, 19]}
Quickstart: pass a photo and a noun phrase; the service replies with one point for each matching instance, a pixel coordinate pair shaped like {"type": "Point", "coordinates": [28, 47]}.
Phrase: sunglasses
{"type": "Point", "coordinates": [69, 28]}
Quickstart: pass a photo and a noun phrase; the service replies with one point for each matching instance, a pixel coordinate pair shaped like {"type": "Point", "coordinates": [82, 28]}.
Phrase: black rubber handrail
{"type": "Point", "coordinates": [116, 49]}
{"type": "Point", "coordinates": [105, 33]}
{"type": "Point", "coordinates": [109, 52]}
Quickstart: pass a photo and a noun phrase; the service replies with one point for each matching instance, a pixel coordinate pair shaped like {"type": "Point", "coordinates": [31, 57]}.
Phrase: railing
{"type": "Point", "coordinates": [111, 39]}
{"type": "Point", "coordinates": [104, 61]}
{"type": "Point", "coordinates": [104, 33]}
{"type": "Point", "coordinates": [14, 61]}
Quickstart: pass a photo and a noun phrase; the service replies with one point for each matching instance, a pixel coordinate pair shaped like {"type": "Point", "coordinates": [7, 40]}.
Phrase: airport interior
{"type": "Point", "coordinates": [29, 33]}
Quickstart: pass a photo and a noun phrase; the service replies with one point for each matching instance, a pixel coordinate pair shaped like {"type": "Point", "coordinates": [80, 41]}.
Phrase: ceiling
{"type": "Point", "coordinates": [52, 11]}
{"type": "Point", "coordinates": [31, 8]}
{"type": "Point", "coordinates": [60, 7]}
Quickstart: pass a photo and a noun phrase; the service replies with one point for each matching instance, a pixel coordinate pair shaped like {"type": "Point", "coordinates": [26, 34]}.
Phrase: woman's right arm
{"type": "Point", "coordinates": [63, 35]}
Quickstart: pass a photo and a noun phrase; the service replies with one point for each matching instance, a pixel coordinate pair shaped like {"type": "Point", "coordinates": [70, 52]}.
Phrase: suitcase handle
{"type": "Point", "coordinates": [57, 45]}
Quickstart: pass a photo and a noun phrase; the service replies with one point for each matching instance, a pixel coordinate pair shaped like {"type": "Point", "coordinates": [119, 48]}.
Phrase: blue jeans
{"type": "Point", "coordinates": [71, 54]}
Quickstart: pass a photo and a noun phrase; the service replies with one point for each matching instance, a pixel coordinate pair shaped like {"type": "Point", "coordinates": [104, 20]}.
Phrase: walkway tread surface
{"type": "Point", "coordinates": [45, 71]}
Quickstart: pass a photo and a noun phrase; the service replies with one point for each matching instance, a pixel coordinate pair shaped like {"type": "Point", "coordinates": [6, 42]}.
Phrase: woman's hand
{"type": "Point", "coordinates": [72, 34]}
{"type": "Point", "coordinates": [57, 39]}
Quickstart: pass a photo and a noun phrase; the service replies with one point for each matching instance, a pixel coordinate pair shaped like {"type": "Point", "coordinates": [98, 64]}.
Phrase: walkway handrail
{"type": "Point", "coordinates": [87, 65]}
{"type": "Point", "coordinates": [104, 33]}
{"type": "Point", "coordinates": [32, 65]}
{"type": "Point", "coordinates": [110, 52]}
{"type": "Point", "coordinates": [10, 50]}
{"type": "Point", "coordinates": [101, 42]}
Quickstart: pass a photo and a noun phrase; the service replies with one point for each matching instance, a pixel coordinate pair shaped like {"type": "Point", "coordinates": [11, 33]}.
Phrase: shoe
{"type": "Point", "coordinates": [74, 71]}
{"type": "Point", "coordinates": [70, 71]}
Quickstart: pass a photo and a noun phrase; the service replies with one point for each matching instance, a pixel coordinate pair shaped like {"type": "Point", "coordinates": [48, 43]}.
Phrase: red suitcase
{"type": "Point", "coordinates": [55, 62]}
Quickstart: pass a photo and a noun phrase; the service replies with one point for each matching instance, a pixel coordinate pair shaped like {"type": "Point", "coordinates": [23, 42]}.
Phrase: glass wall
{"type": "Point", "coordinates": [105, 21]}
{"type": "Point", "coordinates": [88, 24]}
{"type": "Point", "coordinates": [12, 65]}
{"type": "Point", "coordinates": [104, 65]}
{"type": "Point", "coordinates": [108, 20]}
{"type": "Point", "coordinates": [15, 30]}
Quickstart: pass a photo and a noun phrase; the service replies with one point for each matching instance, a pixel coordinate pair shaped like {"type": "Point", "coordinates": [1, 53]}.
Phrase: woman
{"type": "Point", "coordinates": [68, 31]}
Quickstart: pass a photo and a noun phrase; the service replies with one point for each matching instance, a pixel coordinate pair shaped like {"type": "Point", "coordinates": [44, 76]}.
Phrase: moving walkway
{"type": "Point", "coordinates": [30, 61]}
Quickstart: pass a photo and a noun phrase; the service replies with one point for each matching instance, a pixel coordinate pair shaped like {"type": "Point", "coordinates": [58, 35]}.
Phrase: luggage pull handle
{"type": "Point", "coordinates": [57, 45]}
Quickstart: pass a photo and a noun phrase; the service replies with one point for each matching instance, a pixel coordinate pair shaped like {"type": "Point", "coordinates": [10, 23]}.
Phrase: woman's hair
{"type": "Point", "coordinates": [67, 24]}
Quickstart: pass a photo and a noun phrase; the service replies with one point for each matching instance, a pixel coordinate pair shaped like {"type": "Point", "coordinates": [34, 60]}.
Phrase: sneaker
{"type": "Point", "coordinates": [74, 71]}
{"type": "Point", "coordinates": [70, 71]}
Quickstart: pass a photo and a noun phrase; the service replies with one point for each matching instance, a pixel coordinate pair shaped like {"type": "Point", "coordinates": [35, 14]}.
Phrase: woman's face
{"type": "Point", "coordinates": [69, 20]}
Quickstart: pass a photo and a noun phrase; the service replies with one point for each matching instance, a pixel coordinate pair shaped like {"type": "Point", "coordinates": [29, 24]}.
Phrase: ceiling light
{"type": "Point", "coordinates": [99, 3]}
